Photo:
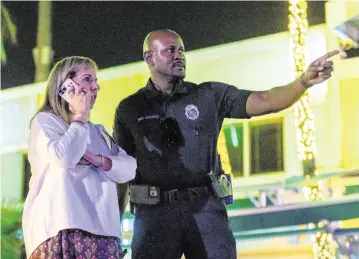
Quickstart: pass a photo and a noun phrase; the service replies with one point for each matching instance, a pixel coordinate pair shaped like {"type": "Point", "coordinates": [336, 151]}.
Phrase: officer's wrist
{"type": "Point", "coordinates": [303, 82]}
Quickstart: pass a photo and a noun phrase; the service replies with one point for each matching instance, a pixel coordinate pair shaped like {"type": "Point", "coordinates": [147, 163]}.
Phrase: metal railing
{"type": "Point", "coordinates": [17, 107]}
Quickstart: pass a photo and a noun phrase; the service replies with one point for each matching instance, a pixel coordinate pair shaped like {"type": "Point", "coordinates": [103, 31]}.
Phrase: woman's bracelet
{"type": "Point", "coordinates": [80, 118]}
{"type": "Point", "coordinates": [80, 123]}
{"type": "Point", "coordinates": [101, 163]}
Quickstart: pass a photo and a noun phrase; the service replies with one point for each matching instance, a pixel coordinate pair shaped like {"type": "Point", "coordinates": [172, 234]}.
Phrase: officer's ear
{"type": "Point", "coordinates": [148, 57]}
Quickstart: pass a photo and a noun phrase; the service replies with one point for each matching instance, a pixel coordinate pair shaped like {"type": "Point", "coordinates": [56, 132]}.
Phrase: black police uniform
{"type": "Point", "coordinates": [174, 138]}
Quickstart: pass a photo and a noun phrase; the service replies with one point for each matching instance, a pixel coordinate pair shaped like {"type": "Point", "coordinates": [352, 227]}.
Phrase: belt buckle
{"type": "Point", "coordinates": [193, 194]}
{"type": "Point", "coordinates": [173, 196]}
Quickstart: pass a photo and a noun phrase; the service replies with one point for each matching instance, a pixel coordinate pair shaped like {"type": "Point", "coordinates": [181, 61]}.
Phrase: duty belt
{"type": "Point", "coordinates": [188, 194]}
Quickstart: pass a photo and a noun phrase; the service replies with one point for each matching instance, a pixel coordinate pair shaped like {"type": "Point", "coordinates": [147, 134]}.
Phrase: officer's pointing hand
{"type": "Point", "coordinates": [320, 69]}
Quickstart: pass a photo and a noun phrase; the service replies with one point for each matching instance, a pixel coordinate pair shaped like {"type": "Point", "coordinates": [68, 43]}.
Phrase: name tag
{"type": "Point", "coordinates": [148, 117]}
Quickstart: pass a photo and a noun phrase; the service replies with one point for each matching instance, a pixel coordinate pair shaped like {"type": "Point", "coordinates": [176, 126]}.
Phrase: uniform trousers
{"type": "Point", "coordinates": [197, 228]}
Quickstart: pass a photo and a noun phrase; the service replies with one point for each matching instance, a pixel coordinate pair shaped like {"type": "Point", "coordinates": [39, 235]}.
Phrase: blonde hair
{"type": "Point", "coordinates": [63, 69]}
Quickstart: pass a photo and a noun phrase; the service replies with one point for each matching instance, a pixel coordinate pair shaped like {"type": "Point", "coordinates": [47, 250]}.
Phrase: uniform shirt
{"type": "Point", "coordinates": [64, 194]}
{"type": "Point", "coordinates": [195, 114]}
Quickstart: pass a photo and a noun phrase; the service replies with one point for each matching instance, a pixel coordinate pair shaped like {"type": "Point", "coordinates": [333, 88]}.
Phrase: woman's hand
{"type": "Point", "coordinates": [80, 100]}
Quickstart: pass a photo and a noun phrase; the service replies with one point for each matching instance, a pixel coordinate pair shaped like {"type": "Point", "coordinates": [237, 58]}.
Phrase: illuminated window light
{"type": "Point", "coordinates": [234, 136]}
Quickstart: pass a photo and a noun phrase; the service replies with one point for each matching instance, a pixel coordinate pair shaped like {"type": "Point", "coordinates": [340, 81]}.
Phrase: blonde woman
{"type": "Point", "coordinates": [71, 210]}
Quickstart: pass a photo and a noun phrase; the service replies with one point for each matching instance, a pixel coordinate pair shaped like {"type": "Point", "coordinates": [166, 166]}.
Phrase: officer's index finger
{"type": "Point", "coordinates": [331, 54]}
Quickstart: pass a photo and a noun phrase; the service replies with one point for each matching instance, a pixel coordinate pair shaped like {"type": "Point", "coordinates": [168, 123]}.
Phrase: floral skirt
{"type": "Point", "coordinates": [76, 244]}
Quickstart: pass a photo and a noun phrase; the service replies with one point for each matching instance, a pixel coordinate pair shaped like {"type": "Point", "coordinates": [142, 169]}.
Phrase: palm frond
{"type": "Point", "coordinates": [8, 31]}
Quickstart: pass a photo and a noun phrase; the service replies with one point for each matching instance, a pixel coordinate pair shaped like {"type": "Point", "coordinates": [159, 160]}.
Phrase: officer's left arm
{"type": "Point", "coordinates": [280, 98]}
{"type": "Point", "coordinates": [125, 140]}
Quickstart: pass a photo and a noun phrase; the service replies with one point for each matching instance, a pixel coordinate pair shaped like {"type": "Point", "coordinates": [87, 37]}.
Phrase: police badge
{"type": "Point", "coordinates": [192, 112]}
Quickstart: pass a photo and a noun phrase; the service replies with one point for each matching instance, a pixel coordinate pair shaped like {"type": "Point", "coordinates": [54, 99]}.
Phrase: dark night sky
{"type": "Point", "coordinates": [112, 32]}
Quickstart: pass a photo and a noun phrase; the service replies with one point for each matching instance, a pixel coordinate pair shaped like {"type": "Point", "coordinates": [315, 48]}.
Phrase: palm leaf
{"type": "Point", "coordinates": [8, 31]}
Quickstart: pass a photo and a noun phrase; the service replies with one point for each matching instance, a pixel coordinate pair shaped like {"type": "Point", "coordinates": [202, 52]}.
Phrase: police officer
{"type": "Point", "coordinates": [171, 126]}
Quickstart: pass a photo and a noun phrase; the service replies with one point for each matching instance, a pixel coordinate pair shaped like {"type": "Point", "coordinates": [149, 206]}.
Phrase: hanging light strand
{"type": "Point", "coordinates": [304, 119]}
{"type": "Point", "coordinates": [298, 27]}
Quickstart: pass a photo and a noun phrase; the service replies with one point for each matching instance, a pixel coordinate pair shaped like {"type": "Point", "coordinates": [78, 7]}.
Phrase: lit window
{"type": "Point", "coordinates": [234, 142]}
{"type": "Point", "coordinates": [266, 146]}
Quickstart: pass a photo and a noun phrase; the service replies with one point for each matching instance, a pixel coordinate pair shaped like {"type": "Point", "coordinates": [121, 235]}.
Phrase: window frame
{"type": "Point", "coordinates": [247, 144]}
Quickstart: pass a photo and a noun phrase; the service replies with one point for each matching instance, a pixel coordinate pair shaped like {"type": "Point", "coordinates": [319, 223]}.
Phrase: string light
{"type": "Point", "coordinates": [304, 119]}
{"type": "Point", "coordinates": [298, 27]}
